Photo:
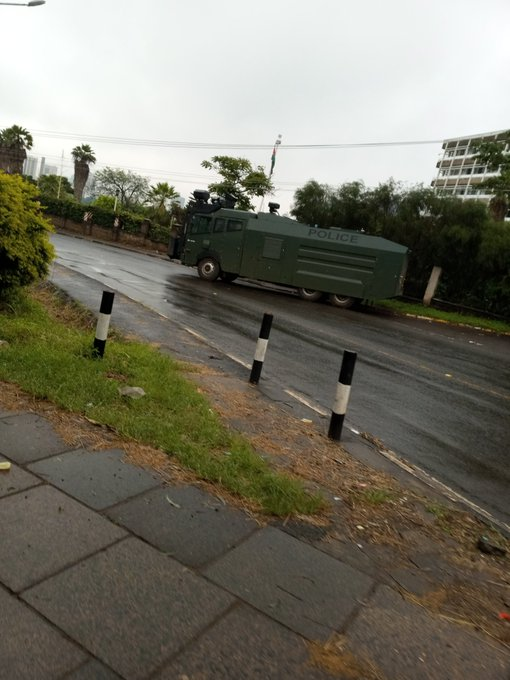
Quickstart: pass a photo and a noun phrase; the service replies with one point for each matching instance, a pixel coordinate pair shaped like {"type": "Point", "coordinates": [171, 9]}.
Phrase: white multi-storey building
{"type": "Point", "coordinates": [30, 166]}
{"type": "Point", "coordinates": [459, 172]}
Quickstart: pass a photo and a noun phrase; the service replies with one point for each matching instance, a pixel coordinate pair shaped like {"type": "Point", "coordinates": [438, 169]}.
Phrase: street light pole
{"type": "Point", "coordinates": [32, 3]}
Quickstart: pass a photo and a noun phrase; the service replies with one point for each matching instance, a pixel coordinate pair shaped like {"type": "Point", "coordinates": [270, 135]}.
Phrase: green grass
{"type": "Point", "coordinates": [52, 360]}
{"type": "Point", "coordinates": [416, 309]}
{"type": "Point", "coordinates": [377, 496]}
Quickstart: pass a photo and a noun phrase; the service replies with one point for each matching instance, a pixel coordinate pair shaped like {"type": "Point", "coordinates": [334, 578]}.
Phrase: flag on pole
{"type": "Point", "coordinates": [273, 160]}
{"type": "Point", "coordinates": [273, 156]}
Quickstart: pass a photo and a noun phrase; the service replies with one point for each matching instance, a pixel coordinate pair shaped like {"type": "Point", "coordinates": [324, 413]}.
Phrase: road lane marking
{"type": "Point", "coordinates": [211, 344]}
{"type": "Point", "coordinates": [303, 400]}
{"type": "Point", "coordinates": [413, 470]}
{"type": "Point", "coordinates": [436, 484]}
{"type": "Point", "coordinates": [459, 381]}
{"type": "Point", "coordinates": [196, 335]}
{"type": "Point", "coordinates": [239, 361]}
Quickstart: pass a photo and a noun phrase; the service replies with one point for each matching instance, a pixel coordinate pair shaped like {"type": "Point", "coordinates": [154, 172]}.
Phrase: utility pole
{"type": "Point", "coordinates": [60, 176]}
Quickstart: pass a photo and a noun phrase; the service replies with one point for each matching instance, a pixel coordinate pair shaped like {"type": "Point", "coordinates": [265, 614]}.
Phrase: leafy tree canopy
{"type": "Point", "coordinates": [14, 143]}
{"type": "Point", "coordinates": [494, 155]}
{"type": "Point", "coordinates": [161, 196]}
{"type": "Point", "coordinates": [239, 179]}
{"type": "Point", "coordinates": [129, 188]}
{"type": "Point", "coordinates": [55, 186]}
{"type": "Point", "coordinates": [457, 235]}
{"type": "Point", "coordinates": [104, 202]}
{"type": "Point", "coordinates": [16, 137]}
{"type": "Point", "coordinates": [83, 154]}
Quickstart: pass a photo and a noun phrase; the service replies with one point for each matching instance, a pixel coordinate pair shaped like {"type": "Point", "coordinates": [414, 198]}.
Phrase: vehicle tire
{"type": "Point", "coordinates": [208, 269]}
{"type": "Point", "coordinates": [228, 277]}
{"type": "Point", "coordinates": [341, 301]}
{"type": "Point", "coordinates": [309, 294]}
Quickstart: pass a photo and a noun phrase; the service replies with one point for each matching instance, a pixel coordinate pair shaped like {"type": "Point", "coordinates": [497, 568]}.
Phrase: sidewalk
{"type": "Point", "coordinates": [106, 571]}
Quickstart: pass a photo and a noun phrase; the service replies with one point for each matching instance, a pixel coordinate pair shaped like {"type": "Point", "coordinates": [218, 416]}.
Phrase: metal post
{"type": "Point", "coordinates": [105, 312]}
{"type": "Point", "coordinates": [260, 350]}
{"type": "Point", "coordinates": [342, 395]}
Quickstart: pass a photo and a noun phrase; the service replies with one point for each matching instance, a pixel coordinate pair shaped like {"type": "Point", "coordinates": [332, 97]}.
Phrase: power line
{"type": "Point", "coordinates": [180, 177]}
{"type": "Point", "coordinates": [223, 145]}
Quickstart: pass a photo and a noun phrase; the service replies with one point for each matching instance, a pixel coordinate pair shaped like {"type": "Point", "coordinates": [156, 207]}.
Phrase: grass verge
{"type": "Point", "coordinates": [416, 309]}
{"type": "Point", "coordinates": [48, 354]}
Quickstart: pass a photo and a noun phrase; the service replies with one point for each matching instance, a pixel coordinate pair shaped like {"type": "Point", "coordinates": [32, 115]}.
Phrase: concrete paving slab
{"type": "Point", "coordinates": [97, 478]}
{"type": "Point", "coordinates": [245, 644]}
{"type": "Point", "coordinates": [413, 581]}
{"type": "Point", "coordinates": [93, 670]}
{"type": "Point", "coordinates": [405, 641]}
{"type": "Point", "coordinates": [42, 531]}
{"type": "Point", "coordinates": [190, 525]}
{"type": "Point", "coordinates": [27, 437]}
{"type": "Point", "coordinates": [30, 647]}
{"type": "Point", "coordinates": [131, 606]}
{"type": "Point", "coordinates": [16, 479]}
{"type": "Point", "coordinates": [303, 588]}
{"type": "Point", "coordinates": [356, 555]}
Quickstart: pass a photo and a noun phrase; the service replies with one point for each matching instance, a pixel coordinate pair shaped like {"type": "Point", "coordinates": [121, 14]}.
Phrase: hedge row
{"type": "Point", "coordinates": [131, 223]}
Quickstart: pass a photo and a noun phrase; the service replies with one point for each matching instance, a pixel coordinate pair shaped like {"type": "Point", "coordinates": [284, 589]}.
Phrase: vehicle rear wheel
{"type": "Point", "coordinates": [228, 277]}
{"type": "Point", "coordinates": [341, 301]}
{"type": "Point", "coordinates": [208, 269]}
{"type": "Point", "coordinates": [309, 294]}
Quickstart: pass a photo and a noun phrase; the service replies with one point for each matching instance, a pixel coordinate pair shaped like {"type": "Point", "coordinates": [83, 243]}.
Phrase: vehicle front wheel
{"type": "Point", "coordinates": [341, 301]}
{"type": "Point", "coordinates": [208, 269]}
{"type": "Point", "coordinates": [309, 294]}
{"type": "Point", "coordinates": [228, 277]}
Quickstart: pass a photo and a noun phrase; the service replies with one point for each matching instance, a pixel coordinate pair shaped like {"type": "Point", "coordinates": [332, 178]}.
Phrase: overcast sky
{"type": "Point", "coordinates": [234, 72]}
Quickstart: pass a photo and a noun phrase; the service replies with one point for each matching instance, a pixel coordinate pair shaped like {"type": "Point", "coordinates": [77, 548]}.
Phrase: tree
{"type": "Point", "coordinates": [493, 154]}
{"type": "Point", "coordinates": [25, 248]}
{"type": "Point", "coordinates": [14, 144]}
{"type": "Point", "coordinates": [83, 156]}
{"type": "Point", "coordinates": [438, 230]}
{"type": "Point", "coordinates": [312, 204]}
{"type": "Point", "coordinates": [105, 202]}
{"type": "Point", "coordinates": [349, 206]}
{"type": "Point", "coordinates": [129, 188]}
{"type": "Point", "coordinates": [55, 186]}
{"type": "Point", "coordinates": [239, 179]}
{"type": "Point", "coordinates": [161, 197]}
{"type": "Point", "coordinates": [345, 206]}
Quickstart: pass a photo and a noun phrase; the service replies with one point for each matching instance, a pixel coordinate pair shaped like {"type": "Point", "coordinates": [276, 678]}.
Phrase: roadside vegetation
{"type": "Point", "coordinates": [419, 310]}
{"type": "Point", "coordinates": [47, 351]}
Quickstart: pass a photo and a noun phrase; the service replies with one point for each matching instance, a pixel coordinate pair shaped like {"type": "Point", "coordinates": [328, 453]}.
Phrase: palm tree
{"type": "Point", "coordinates": [161, 194]}
{"type": "Point", "coordinates": [14, 144]}
{"type": "Point", "coordinates": [83, 156]}
{"type": "Point", "coordinates": [159, 197]}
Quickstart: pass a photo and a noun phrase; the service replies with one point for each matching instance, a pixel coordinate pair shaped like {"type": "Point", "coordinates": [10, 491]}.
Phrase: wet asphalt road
{"type": "Point", "coordinates": [438, 396]}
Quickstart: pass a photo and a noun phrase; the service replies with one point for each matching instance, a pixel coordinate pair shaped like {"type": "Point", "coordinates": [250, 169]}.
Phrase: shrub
{"type": "Point", "coordinates": [25, 249]}
{"type": "Point", "coordinates": [101, 216]}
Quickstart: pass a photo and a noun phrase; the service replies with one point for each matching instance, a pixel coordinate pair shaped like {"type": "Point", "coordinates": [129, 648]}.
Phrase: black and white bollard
{"type": "Point", "coordinates": [105, 312]}
{"type": "Point", "coordinates": [260, 349]}
{"type": "Point", "coordinates": [343, 391]}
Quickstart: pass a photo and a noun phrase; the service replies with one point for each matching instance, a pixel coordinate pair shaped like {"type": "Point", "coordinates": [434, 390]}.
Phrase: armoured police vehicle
{"type": "Point", "coordinates": [343, 265]}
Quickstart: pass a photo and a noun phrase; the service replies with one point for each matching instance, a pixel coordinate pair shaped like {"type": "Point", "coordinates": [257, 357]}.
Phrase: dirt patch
{"type": "Point", "coordinates": [334, 658]}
